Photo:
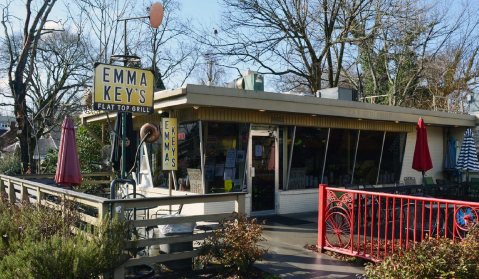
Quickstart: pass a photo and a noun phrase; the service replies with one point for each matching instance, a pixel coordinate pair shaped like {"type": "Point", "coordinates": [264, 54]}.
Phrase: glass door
{"type": "Point", "coordinates": [263, 156]}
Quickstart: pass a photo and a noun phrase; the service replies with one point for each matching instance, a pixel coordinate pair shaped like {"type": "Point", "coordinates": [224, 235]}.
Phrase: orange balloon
{"type": "Point", "coordinates": [156, 14]}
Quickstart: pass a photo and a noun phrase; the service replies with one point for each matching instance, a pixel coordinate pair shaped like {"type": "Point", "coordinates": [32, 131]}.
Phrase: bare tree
{"type": "Point", "coordinates": [168, 50]}
{"type": "Point", "coordinates": [20, 65]}
{"type": "Point", "coordinates": [303, 41]}
{"type": "Point", "coordinates": [209, 71]}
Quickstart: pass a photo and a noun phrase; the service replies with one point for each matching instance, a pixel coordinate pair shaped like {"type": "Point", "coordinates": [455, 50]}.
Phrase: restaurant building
{"type": "Point", "coordinates": [278, 147]}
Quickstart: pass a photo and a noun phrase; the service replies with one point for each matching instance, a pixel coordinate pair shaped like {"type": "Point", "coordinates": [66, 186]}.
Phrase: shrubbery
{"type": "Point", "coordinates": [10, 165]}
{"type": "Point", "coordinates": [234, 245]}
{"type": "Point", "coordinates": [37, 242]}
{"type": "Point", "coordinates": [436, 258]}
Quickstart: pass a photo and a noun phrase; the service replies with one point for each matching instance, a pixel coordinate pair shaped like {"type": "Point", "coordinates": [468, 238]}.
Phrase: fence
{"type": "Point", "coordinates": [371, 225]}
{"type": "Point", "coordinates": [96, 208]}
{"type": "Point", "coordinates": [105, 177]}
{"type": "Point", "coordinates": [374, 99]}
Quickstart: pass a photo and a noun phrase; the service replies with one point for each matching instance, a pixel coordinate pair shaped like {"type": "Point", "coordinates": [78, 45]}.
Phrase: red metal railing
{"type": "Point", "coordinates": [372, 225]}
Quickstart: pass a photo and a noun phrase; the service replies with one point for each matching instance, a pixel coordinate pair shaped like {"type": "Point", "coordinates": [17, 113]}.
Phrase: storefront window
{"type": "Point", "coordinates": [392, 159]}
{"type": "Point", "coordinates": [225, 154]}
{"type": "Point", "coordinates": [189, 158]}
{"type": "Point", "coordinates": [160, 178]}
{"type": "Point", "coordinates": [308, 157]}
{"type": "Point", "coordinates": [368, 156]}
{"type": "Point", "coordinates": [340, 157]}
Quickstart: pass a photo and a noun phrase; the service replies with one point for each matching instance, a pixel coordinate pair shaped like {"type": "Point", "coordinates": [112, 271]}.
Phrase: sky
{"type": "Point", "coordinates": [200, 11]}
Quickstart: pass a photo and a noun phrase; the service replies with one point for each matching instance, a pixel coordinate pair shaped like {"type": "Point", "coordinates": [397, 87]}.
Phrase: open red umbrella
{"type": "Point", "coordinates": [422, 158]}
{"type": "Point", "coordinates": [68, 165]}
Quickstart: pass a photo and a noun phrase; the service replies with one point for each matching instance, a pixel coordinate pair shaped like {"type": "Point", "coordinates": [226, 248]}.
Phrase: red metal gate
{"type": "Point", "coordinates": [372, 225]}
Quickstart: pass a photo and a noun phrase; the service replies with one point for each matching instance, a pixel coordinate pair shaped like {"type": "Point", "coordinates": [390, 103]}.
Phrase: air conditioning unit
{"type": "Point", "coordinates": [338, 93]}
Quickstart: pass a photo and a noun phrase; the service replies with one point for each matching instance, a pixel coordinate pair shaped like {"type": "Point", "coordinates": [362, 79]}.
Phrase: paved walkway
{"type": "Point", "coordinates": [288, 259]}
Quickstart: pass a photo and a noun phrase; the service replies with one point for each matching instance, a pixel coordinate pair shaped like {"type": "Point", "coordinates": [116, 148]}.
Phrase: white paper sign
{"type": "Point", "coordinates": [258, 150]}
{"type": "Point", "coordinates": [230, 158]}
{"type": "Point", "coordinates": [230, 174]}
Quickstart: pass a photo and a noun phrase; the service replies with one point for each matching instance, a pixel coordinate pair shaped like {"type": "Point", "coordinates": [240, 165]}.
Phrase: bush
{"type": "Point", "coordinates": [37, 242]}
{"type": "Point", "coordinates": [11, 165]}
{"type": "Point", "coordinates": [234, 245]}
{"type": "Point", "coordinates": [436, 258]}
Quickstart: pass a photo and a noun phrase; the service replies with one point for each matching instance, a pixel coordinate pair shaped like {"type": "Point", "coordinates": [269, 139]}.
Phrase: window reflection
{"type": "Point", "coordinates": [340, 157]}
{"type": "Point", "coordinates": [225, 155]}
{"type": "Point", "coordinates": [308, 157]}
{"type": "Point", "coordinates": [368, 156]}
{"type": "Point", "coordinates": [392, 160]}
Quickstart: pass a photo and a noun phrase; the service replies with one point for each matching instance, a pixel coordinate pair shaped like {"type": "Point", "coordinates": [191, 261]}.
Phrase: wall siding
{"type": "Point", "coordinates": [435, 138]}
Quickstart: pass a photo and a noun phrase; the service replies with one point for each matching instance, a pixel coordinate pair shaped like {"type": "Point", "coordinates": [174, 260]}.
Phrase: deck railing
{"type": "Point", "coordinates": [19, 190]}
{"type": "Point", "coordinates": [372, 225]}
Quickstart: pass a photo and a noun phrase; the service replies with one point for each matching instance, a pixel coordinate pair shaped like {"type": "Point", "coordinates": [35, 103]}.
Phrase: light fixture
{"type": "Point", "coordinates": [360, 119]}
{"type": "Point", "coordinates": [428, 124]}
{"type": "Point", "coordinates": [313, 115]}
{"type": "Point", "coordinates": [262, 110]}
{"type": "Point", "coordinates": [397, 121]}
{"type": "Point", "coordinates": [160, 111]}
{"type": "Point", "coordinates": [455, 126]}
{"type": "Point", "coordinates": [196, 107]}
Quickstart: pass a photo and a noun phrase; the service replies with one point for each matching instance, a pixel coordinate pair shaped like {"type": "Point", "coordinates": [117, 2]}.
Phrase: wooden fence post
{"type": "Point", "coordinates": [321, 217]}
{"type": "Point", "coordinates": [118, 211]}
{"type": "Point", "coordinates": [40, 195]}
{"type": "Point", "coordinates": [11, 192]}
{"type": "Point", "coordinates": [24, 193]}
{"type": "Point", "coordinates": [2, 185]}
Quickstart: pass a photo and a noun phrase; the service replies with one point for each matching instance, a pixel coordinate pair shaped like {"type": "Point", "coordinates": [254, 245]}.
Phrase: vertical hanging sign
{"type": "Point", "coordinates": [169, 150]}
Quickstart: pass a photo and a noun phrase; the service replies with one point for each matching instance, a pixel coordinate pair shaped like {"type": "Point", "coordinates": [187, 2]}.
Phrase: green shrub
{"type": "Point", "coordinates": [234, 245]}
{"type": "Point", "coordinates": [37, 242]}
{"type": "Point", "coordinates": [10, 165]}
{"type": "Point", "coordinates": [436, 258]}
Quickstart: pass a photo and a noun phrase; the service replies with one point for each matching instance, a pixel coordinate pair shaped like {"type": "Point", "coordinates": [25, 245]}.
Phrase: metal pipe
{"type": "Point", "coordinates": [202, 160]}
{"type": "Point", "coordinates": [291, 156]}
{"type": "Point", "coordinates": [381, 158]}
{"type": "Point", "coordinates": [325, 156]}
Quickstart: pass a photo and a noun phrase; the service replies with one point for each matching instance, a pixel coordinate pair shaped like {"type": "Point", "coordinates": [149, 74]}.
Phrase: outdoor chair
{"type": "Point", "coordinates": [428, 180]}
{"type": "Point", "coordinates": [415, 220]}
{"type": "Point", "coordinates": [409, 181]}
{"type": "Point", "coordinates": [145, 211]}
{"type": "Point", "coordinates": [474, 188]}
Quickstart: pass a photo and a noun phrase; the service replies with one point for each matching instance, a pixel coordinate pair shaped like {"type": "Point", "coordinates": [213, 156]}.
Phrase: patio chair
{"type": "Point", "coordinates": [409, 181]}
{"type": "Point", "coordinates": [474, 187]}
{"type": "Point", "coordinates": [428, 180]}
{"type": "Point", "coordinates": [415, 220]}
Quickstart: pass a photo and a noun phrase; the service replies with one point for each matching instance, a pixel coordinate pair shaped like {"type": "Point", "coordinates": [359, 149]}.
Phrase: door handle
{"type": "Point", "coordinates": [251, 172]}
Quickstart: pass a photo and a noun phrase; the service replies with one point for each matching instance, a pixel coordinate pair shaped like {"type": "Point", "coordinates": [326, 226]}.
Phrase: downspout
{"type": "Point", "coordinates": [90, 131]}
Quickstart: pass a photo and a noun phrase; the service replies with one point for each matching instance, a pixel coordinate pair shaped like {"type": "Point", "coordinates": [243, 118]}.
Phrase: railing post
{"type": "Point", "coordinates": [11, 192]}
{"type": "Point", "coordinates": [40, 195]}
{"type": "Point", "coordinates": [2, 186]}
{"type": "Point", "coordinates": [240, 204]}
{"type": "Point", "coordinates": [24, 193]}
{"type": "Point", "coordinates": [321, 217]}
{"type": "Point", "coordinates": [118, 211]}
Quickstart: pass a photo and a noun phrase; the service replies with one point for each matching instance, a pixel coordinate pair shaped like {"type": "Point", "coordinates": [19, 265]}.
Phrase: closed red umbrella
{"type": "Point", "coordinates": [422, 158]}
{"type": "Point", "coordinates": [68, 165]}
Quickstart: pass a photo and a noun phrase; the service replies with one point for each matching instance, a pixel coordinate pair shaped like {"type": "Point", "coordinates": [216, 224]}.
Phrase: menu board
{"type": "Point", "coordinates": [297, 178]}
{"type": "Point", "coordinates": [196, 184]}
